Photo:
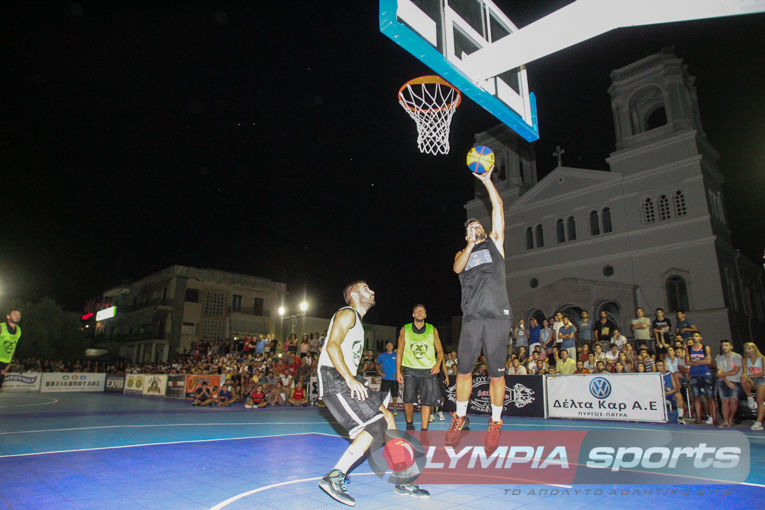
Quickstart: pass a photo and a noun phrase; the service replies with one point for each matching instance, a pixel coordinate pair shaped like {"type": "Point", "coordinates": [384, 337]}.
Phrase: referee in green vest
{"type": "Point", "coordinates": [421, 355]}
{"type": "Point", "coordinates": [10, 333]}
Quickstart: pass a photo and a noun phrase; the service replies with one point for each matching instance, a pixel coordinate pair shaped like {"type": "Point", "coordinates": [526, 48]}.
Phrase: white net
{"type": "Point", "coordinates": [431, 102]}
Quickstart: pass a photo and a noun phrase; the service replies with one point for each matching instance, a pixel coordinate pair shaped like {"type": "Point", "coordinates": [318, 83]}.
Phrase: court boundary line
{"type": "Point", "coordinates": [165, 443]}
{"type": "Point", "coordinates": [31, 405]}
{"type": "Point", "coordinates": [148, 425]}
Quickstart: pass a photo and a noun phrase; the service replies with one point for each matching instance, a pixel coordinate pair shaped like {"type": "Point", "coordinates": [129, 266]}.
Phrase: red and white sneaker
{"type": "Point", "coordinates": [459, 425]}
{"type": "Point", "coordinates": [491, 441]}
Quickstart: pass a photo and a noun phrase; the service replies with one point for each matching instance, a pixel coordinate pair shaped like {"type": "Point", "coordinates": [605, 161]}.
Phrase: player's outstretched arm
{"type": "Point", "coordinates": [344, 321]}
{"type": "Point", "coordinates": [497, 210]}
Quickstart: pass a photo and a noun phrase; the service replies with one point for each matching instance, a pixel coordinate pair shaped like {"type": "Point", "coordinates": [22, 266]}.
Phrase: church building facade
{"type": "Point", "coordinates": [651, 232]}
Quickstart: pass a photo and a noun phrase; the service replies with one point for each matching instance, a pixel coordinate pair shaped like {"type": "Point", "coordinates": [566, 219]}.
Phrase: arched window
{"type": "Point", "coordinates": [680, 208]}
{"type": "Point", "coordinates": [560, 235]}
{"type": "Point", "coordinates": [607, 227]}
{"type": "Point", "coordinates": [649, 213]}
{"type": "Point", "coordinates": [664, 212]}
{"type": "Point", "coordinates": [529, 238]}
{"type": "Point", "coordinates": [594, 224]}
{"type": "Point", "coordinates": [540, 236]}
{"type": "Point", "coordinates": [677, 294]}
{"type": "Point", "coordinates": [571, 228]}
{"type": "Point", "coordinates": [656, 118]}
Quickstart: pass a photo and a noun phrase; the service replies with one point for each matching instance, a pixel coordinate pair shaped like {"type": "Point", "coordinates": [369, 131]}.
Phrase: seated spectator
{"type": "Point", "coordinates": [612, 356]}
{"type": "Point", "coordinates": [226, 396]}
{"type": "Point", "coordinates": [672, 390]}
{"type": "Point", "coordinates": [646, 359]}
{"type": "Point", "coordinates": [523, 355]}
{"type": "Point", "coordinates": [580, 367]}
{"type": "Point", "coordinates": [203, 395]}
{"type": "Point", "coordinates": [584, 355]}
{"type": "Point", "coordinates": [298, 397]}
{"type": "Point", "coordinates": [640, 368]}
{"type": "Point", "coordinates": [618, 339]}
{"type": "Point", "coordinates": [619, 368]}
{"type": "Point", "coordinates": [531, 366]}
{"type": "Point", "coordinates": [215, 392]}
{"type": "Point", "coordinates": [629, 350]}
{"type": "Point", "coordinates": [368, 365]}
{"type": "Point", "coordinates": [626, 363]}
{"type": "Point", "coordinates": [275, 395]}
{"type": "Point", "coordinates": [257, 398]}
{"type": "Point", "coordinates": [591, 363]}
{"type": "Point", "coordinates": [599, 354]}
{"type": "Point", "coordinates": [600, 367]}
{"type": "Point", "coordinates": [542, 368]}
{"type": "Point", "coordinates": [564, 365]}
{"type": "Point", "coordinates": [305, 346]}
{"type": "Point", "coordinates": [516, 368]}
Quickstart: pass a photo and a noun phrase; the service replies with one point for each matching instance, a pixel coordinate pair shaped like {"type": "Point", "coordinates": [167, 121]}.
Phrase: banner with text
{"type": "Point", "coordinates": [115, 383]}
{"type": "Point", "coordinates": [195, 381]}
{"type": "Point", "coordinates": [134, 384]}
{"type": "Point", "coordinates": [27, 381]}
{"type": "Point", "coordinates": [625, 397]}
{"type": "Point", "coordinates": [154, 385]}
{"type": "Point", "coordinates": [176, 386]}
{"type": "Point", "coordinates": [524, 396]}
{"type": "Point", "coordinates": [60, 382]}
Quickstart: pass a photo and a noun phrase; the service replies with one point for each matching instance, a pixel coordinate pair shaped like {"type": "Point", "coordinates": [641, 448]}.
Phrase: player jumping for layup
{"type": "Point", "coordinates": [486, 315]}
{"type": "Point", "coordinates": [363, 413]}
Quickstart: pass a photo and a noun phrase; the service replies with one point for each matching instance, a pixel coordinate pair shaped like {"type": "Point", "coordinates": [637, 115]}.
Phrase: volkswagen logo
{"type": "Point", "coordinates": [600, 387]}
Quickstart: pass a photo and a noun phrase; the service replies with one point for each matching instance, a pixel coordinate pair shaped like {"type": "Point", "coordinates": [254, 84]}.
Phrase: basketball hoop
{"type": "Point", "coordinates": [430, 101]}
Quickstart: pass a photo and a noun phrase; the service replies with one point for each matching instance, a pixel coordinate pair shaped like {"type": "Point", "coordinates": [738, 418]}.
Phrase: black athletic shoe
{"type": "Point", "coordinates": [335, 483]}
{"type": "Point", "coordinates": [409, 489]}
{"type": "Point", "coordinates": [410, 426]}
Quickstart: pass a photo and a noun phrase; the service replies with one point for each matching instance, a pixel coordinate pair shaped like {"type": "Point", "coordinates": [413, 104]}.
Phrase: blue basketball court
{"type": "Point", "coordinates": [89, 451]}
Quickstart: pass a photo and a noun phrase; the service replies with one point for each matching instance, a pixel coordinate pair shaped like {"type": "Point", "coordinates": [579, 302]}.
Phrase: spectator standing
{"type": "Point", "coordinates": [556, 325]}
{"type": "Point", "coordinates": [534, 334]}
{"type": "Point", "coordinates": [603, 330]}
{"type": "Point", "coordinates": [754, 380]}
{"type": "Point", "coordinates": [584, 330]}
{"type": "Point", "coordinates": [521, 335]}
{"type": "Point", "coordinates": [641, 328]}
{"type": "Point", "coordinates": [729, 365]}
{"type": "Point", "coordinates": [661, 328]}
{"type": "Point", "coordinates": [386, 367]}
{"type": "Point", "coordinates": [683, 327]}
{"type": "Point", "coordinates": [547, 337]}
{"type": "Point", "coordinates": [567, 336]}
{"type": "Point", "coordinates": [698, 358]}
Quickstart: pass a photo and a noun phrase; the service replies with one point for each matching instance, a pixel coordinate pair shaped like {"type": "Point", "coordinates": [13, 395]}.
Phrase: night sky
{"type": "Point", "coordinates": [266, 138]}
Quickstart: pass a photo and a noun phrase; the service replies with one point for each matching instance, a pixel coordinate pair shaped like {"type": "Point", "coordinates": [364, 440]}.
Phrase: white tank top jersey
{"type": "Point", "coordinates": [352, 345]}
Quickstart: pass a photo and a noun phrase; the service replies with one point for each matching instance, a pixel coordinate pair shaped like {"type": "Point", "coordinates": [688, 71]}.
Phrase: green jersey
{"type": "Point", "coordinates": [8, 342]}
{"type": "Point", "coordinates": [419, 348]}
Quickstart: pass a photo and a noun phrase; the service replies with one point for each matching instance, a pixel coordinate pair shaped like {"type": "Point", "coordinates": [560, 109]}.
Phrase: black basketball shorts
{"type": "Point", "coordinates": [389, 385]}
{"type": "Point", "coordinates": [489, 335]}
{"type": "Point", "coordinates": [352, 414]}
{"type": "Point", "coordinates": [420, 380]}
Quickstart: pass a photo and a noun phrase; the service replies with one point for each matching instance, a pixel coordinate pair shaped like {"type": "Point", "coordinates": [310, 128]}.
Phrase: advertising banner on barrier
{"type": "Point", "coordinates": [75, 381]}
{"type": "Point", "coordinates": [27, 381]}
{"type": "Point", "coordinates": [154, 385]}
{"type": "Point", "coordinates": [524, 396]}
{"type": "Point", "coordinates": [195, 381]}
{"type": "Point", "coordinates": [115, 383]}
{"type": "Point", "coordinates": [134, 384]}
{"type": "Point", "coordinates": [626, 397]}
{"type": "Point", "coordinates": [176, 386]}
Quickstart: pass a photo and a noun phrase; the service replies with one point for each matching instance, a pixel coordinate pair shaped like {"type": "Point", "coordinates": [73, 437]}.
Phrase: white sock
{"type": "Point", "coordinates": [349, 458]}
{"type": "Point", "coordinates": [496, 413]}
{"type": "Point", "coordinates": [462, 408]}
{"type": "Point", "coordinates": [680, 413]}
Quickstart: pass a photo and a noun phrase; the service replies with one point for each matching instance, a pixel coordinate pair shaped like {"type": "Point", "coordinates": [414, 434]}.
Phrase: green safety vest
{"type": "Point", "coordinates": [419, 348]}
{"type": "Point", "coordinates": [8, 342]}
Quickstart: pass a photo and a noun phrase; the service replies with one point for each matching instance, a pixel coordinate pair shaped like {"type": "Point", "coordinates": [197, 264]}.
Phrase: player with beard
{"type": "Point", "coordinates": [10, 334]}
{"type": "Point", "coordinates": [362, 412]}
{"type": "Point", "coordinates": [486, 314]}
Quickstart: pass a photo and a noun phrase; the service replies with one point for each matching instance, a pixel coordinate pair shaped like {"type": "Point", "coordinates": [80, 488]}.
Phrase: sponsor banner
{"type": "Point", "coordinates": [115, 383]}
{"type": "Point", "coordinates": [176, 386]}
{"type": "Point", "coordinates": [542, 457]}
{"type": "Point", "coordinates": [623, 397]}
{"type": "Point", "coordinates": [27, 381]}
{"type": "Point", "coordinates": [72, 381]}
{"type": "Point", "coordinates": [195, 381]}
{"type": "Point", "coordinates": [524, 396]}
{"type": "Point", "coordinates": [134, 384]}
{"type": "Point", "coordinates": [154, 385]}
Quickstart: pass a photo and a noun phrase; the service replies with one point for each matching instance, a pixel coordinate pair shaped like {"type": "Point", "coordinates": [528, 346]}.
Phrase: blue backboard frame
{"type": "Point", "coordinates": [412, 42]}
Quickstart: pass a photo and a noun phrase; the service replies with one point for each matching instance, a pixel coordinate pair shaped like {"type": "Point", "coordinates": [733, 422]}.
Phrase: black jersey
{"type": "Point", "coordinates": [484, 285]}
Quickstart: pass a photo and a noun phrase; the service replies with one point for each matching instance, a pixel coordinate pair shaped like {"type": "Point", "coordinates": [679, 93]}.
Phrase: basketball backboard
{"type": "Point", "coordinates": [442, 33]}
{"type": "Point", "coordinates": [474, 45]}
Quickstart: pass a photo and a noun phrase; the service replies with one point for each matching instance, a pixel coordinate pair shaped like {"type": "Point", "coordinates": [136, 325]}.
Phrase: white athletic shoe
{"type": "Point", "coordinates": [432, 418]}
{"type": "Point", "coordinates": [710, 421]}
{"type": "Point", "coordinates": [752, 403]}
{"type": "Point", "coordinates": [441, 415]}
{"type": "Point", "coordinates": [756, 426]}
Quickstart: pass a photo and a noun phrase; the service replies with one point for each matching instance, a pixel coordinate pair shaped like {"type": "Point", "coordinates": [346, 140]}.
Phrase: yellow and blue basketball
{"type": "Point", "coordinates": [480, 159]}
